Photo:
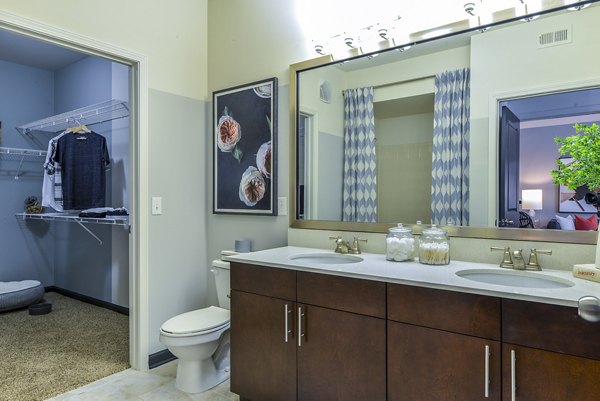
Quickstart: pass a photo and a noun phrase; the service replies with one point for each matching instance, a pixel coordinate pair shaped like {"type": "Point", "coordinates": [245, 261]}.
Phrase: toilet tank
{"type": "Point", "coordinates": [220, 269]}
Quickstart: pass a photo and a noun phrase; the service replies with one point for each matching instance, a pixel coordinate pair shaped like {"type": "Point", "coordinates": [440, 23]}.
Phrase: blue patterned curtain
{"type": "Point", "coordinates": [450, 160]}
{"type": "Point", "coordinates": [360, 169]}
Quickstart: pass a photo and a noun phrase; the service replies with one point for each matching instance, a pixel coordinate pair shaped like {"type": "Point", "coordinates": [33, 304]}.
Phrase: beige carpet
{"type": "Point", "coordinates": [75, 344]}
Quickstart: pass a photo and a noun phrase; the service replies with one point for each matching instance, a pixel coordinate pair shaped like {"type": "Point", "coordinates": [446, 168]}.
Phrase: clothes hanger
{"type": "Point", "coordinates": [79, 128]}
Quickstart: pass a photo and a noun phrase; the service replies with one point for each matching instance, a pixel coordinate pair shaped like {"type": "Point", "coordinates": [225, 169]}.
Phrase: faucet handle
{"type": "Point", "coordinates": [355, 246]}
{"type": "Point", "coordinates": [533, 259]}
{"type": "Point", "coordinates": [507, 260]}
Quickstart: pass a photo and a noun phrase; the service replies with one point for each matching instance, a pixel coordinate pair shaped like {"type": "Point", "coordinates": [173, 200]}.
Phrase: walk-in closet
{"type": "Point", "coordinates": [73, 237]}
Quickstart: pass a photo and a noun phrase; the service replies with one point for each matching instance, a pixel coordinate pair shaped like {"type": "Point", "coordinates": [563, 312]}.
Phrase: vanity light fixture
{"type": "Point", "coordinates": [349, 41]}
{"type": "Point", "coordinates": [319, 49]}
{"type": "Point", "coordinates": [470, 9]}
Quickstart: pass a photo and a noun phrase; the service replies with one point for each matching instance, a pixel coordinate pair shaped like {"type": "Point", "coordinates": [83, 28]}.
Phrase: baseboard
{"type": "Point", "coordinates": [85, 298]}
{"type": "Point", "coordinates": [160, 358]}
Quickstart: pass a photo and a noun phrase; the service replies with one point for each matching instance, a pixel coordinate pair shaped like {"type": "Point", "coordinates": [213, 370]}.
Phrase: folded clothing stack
{"type": "Point", "coordinates": [587, 272]}
{"type": "Point", "coordinates": [101, 212]}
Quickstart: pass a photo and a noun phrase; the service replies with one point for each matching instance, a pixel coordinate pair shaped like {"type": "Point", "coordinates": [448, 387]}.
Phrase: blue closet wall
{"type": "Point", "coordinates": [60, 253]}
{"type": "Point", "coordinates": [26, 247]}
{"type": "Point", "coordinates": [81, 263]}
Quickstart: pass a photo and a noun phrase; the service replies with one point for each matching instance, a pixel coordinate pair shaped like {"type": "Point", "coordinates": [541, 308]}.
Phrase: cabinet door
{"type": "Point", "coordinates": [434, 365]}
{"type": "Point", "coordinates": [538, 375]}
{"type": "Point", "coordinates": [341, 356]}
{"type": "Point", "coordinates": [263, 364]}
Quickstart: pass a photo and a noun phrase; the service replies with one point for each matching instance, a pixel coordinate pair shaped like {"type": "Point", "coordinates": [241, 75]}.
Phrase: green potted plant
{"type": "Point", "coordinates": [584, 150]}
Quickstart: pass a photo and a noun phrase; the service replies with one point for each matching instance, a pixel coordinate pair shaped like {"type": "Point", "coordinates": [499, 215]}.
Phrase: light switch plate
{"type": "Point", "coordinates": [156, 205]}
{"type": "Point", "coordinates": [282, 206]}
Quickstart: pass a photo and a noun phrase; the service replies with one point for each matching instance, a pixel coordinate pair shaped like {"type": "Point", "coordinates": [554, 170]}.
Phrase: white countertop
{"type": "Point", "coordinates": [375, 267]}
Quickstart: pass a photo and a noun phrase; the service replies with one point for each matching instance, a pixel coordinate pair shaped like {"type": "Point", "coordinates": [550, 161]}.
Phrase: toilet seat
{"type": "Point", "coordinates": [197, 322]}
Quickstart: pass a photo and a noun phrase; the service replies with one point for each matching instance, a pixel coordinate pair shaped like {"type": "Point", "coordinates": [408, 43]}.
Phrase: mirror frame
{"type": "Point", "coordinates": [520, 234]}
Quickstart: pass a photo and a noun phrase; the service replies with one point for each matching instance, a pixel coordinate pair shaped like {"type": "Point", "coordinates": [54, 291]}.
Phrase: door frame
{"type": "Point", "coordinates": [138, 154]}
{"type": "Point", "coordinates": [494, 128]}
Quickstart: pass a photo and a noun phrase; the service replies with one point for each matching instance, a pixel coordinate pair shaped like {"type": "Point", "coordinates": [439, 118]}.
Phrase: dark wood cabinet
{"type": "Point", "coordinates": [435, 365]}
{"type": "Point", "coordinates": [539, 375]}
{"type": "Point", "coordinates": [263, 364]}
{"type": "Point", "coordinates": [549, 353]}
{"type": "Point", "coordinates": [300, 336]}
{"type": "Point", "coordinates": [341, 357]}
{"type": "Point", "coordinates": [335, 347]}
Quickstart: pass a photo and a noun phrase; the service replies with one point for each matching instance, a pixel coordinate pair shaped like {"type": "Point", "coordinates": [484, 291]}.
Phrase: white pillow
{"type": "Point", "coordinates": [566, 223]}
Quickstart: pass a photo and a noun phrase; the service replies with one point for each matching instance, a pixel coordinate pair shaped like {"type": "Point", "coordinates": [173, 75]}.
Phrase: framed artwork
{"type": "Point", "coordinates": [573, 201]}
{"type": "Point", "coordinates": [245, 149]}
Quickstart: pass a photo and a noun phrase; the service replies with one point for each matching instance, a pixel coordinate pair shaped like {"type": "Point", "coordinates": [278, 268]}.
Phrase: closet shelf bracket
{"type": "Point", "coordinates": [89, 231]}
{"type": "Point", "coordinates": [20, 155]}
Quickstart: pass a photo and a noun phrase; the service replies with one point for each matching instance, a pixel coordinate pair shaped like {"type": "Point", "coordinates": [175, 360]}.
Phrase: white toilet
{"type": "Point", "coordinates": [200, 339]}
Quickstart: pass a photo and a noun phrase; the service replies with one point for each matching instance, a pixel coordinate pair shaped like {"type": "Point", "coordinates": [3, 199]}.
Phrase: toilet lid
{"type": "Point", "coordinates": [197, 320]}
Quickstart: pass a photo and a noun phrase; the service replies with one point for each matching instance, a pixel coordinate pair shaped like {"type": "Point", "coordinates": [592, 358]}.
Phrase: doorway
{"type": "Point", "coordinates": [138, 142]}
{"type": "Point", "coordinates": [528, 152]}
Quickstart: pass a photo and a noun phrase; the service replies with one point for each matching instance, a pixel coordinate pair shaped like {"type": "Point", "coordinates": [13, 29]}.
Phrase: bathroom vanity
{"type": "Point", "coordinates": [318, 329]}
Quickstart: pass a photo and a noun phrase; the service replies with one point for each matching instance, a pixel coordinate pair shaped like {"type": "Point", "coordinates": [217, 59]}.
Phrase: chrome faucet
{"type": "Point", "coordinates": [341, 245]}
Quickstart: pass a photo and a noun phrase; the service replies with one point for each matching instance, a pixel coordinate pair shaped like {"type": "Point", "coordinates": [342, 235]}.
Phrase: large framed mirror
{"type": "Point", "coordinates": [536, 78]}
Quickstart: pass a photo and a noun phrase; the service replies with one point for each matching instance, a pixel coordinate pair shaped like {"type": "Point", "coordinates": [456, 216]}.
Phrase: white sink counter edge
{"type": "Point", "coordinates": [376, 267]}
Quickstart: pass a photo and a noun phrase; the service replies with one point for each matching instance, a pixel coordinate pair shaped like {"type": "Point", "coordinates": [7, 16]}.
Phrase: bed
{"type": "Point", "coordinates": [19, 294]}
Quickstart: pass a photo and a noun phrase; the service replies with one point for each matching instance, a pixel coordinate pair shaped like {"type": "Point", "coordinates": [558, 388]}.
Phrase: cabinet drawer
{"type": "Point", "coordinates": [475, 315]}
{"type": "Point", "coordinates": [342, 293]}
{"type": "Point", "coordinates": [550, 327]}
{"type": "Point", "coordinates": [272, 282]}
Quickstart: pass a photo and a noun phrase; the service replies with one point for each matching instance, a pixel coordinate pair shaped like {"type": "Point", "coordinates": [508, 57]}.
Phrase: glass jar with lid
{"type": "Point", "coordinates": [434, 247]}
{"type": "Point", "coordinates": [400, 244]}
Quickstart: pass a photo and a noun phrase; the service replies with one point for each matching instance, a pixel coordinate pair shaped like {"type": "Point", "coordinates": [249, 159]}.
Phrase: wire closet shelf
{"type": "Point", "coordinates": [89, 115]}
{"type": "Point", "coordinates": [18, 154]}
{"type": "Point", "coordinates": [81, 221]}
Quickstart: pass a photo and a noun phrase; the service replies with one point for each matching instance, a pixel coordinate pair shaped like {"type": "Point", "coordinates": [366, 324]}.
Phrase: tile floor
{"type": "Point", "coordinates": [155, 385]}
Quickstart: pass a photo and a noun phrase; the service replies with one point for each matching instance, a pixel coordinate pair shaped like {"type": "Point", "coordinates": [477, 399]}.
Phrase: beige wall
{"type": "Point", "coordinates": [250, 41]}
{"type": "Point", "coordinates": [171, 33]}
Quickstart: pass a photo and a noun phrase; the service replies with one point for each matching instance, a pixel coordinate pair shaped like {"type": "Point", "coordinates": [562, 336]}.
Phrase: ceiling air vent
{"type": "Point", "coordinates": [555, 38]}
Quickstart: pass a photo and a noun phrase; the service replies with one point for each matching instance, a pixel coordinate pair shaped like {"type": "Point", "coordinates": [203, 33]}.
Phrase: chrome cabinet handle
{"type": "Point", "coordinates": [513, 376]}
{"type": "Point", "coordinates": [300, 333]}
{"type": "Point", "coordinates": [287, 323]}
{"type": "Point", "coordinates": [486, 388]}
{"type": "Point", "coordinates": [589, 308]}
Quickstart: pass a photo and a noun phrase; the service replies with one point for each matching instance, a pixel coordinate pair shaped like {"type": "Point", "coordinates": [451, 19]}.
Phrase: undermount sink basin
{"type": "Point", "coordinates": [513, 278]}
{"type": "Point", "coordinates": [326, 258]}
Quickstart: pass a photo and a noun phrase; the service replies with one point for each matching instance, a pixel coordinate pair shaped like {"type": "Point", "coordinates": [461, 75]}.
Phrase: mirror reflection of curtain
{"type": "Point", "coordinates": [360, 168]}
{"type": "Point", "coordinates": [450, 159]}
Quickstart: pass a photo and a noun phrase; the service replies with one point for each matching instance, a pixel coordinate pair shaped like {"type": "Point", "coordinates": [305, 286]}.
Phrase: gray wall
{"type": "Point", "coordinates": [26, 246]}
{"type": "Point", "coordinates": [178, 282]}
